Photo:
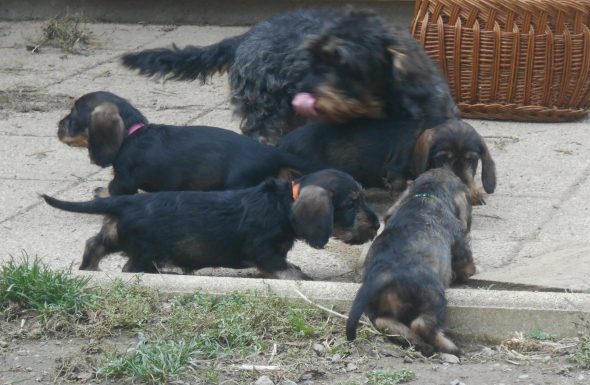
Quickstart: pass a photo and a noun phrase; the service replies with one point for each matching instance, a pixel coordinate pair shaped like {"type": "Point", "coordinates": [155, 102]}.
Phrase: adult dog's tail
{"type": "Point", "coordinates": [97, 206]}
{"type": "Point", "coordinates": [188, 63]}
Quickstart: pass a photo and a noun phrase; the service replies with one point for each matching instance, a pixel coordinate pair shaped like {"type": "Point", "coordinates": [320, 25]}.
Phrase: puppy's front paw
{"type": "Point", "coordinates": [101, 192]}
{"type": "Point", "coordinates": [477, 198]}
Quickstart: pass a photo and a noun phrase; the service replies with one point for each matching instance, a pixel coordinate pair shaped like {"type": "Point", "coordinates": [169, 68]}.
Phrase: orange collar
{"type": "Point", "coordinates": [295, 188]}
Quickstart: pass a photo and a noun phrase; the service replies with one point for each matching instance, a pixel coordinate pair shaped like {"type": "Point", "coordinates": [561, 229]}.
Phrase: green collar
{"type": "Point", "coordinates": [424, 195]}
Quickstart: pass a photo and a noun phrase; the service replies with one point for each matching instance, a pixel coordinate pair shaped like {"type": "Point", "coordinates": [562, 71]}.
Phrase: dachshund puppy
{"type": "Point", "coordinates": [334, 65]}
{"type": "Point", "coordinates": [155, 157]}
{"type": "Point", "coordinates": [253, 227]}
{"type": "Point", "coordinates": [388, 153]}
{"type": "Point", "coordinates": [422, 249]}
{"type": "Point", "coordinates": [457, 145]}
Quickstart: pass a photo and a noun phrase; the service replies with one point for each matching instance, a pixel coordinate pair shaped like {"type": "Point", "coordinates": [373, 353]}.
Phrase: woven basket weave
{"type": "Point", "coordinates": [525, 60]}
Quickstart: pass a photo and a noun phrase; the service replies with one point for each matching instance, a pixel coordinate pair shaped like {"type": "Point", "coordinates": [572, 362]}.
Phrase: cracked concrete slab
{"type": "Point", "coordinates": [533, 231]}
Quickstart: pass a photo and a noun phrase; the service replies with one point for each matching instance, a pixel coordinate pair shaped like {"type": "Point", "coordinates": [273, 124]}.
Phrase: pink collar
{"type": "Point", "coordinates": [133, 129]}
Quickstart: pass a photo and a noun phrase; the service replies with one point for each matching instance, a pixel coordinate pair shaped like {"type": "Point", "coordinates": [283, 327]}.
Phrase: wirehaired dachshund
{"type": "Point", "coordinates": [388, 153]}
{"type": "Point", "coordinates": [155, 157]}
{"type": "Point", "coordinates": [334, 65]}
{"type": "Point", "coordinates": [421, 251]}
{"type": "Point", "coordinates": [253, 227]}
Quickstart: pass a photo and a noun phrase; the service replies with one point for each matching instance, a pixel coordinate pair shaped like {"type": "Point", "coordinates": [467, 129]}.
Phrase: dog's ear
{"type": "Point", "coordinates": [422, 148]}
{"type": "Point", "coordinates": [488, 168]}
{"type": "Point", "coordinates": [313, 213]}
{"type": "Point", "coordinates": [105, 134]}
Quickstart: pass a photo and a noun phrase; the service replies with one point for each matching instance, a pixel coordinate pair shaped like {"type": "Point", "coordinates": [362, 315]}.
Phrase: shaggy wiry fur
{"type": "Point", "coordinates": [388, 153]}
{"type": "Point", "coordinates": [332, 64]}
{"type": "Point", "coordinates": [169, 158]}
{"type": "Point", "coordinates": [253, 227]}
{"type": "Point", "coordinates": [422, 249]}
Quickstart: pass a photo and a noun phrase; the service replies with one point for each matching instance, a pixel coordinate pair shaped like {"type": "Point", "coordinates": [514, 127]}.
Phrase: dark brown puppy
{"type": "Point", "coordinates": [422, 249]}
{"type": "Point", "coordinates": [457, 145]}
{"type": "Point", "coordinates": [253, 227]}
{"type": "Point", "coordinates": [380, 153]}
{"type": "Point", "coordinates": [155, 157]}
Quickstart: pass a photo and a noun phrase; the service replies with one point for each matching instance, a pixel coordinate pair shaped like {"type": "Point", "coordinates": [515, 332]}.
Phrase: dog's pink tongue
{"type": "Point", "coordinates": [304, 104]}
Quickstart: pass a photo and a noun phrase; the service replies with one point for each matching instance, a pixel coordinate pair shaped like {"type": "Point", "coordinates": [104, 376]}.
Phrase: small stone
{"type": "Point", "coordinates": [351, 367]}
{"type": "Point", "coordinates": [408, 360]}
{"type": "Point", "coordinates": [523, 376]}
{"type": "Point", "coordinates": [456, 382]}
{"type": "Point", "coordinates": [3, 344]}
{"type": "Point", "coordinates": [488, 352]}
{"type": "Point", "coordinates": [581, 377]}
{"type": "Point", "coordinates": [22, 352]}
{"type": "Point", "coordinates": [287, 382]}
{"type": "Point", "coordinates": [264, 380]}
{"type": "Point", "coordinates": [336, 358]}
{"type": "Point", "coordinates": [450, 358]}
{"type": "Point", "coordinates": [318, 348]}
{"type": "Point", "coordinates": [306, 376]}
{"type": "Point", "coordinates": [29, 369]}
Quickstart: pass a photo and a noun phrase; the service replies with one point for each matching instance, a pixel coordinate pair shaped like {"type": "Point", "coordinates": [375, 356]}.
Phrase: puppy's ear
{"type": "Point", "coordinates": [422, 151]}
{"type": "Point", "coordinates": [314, 216]}
{"type": "Point", "coordinates": [488, 168]}
{"type": "Point", "coordinates": [106, 134]}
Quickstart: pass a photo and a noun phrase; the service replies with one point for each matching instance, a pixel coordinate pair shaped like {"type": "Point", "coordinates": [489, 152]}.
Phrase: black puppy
{"type": "Point", "coordinates": [155, 157]}
{"type": "Point", "coordinates": [253, 227]}
{"type": "Point", "coordinates": [332, 64]}
{"type": "Point", "coordinates": [422, 249]}
{"type": "Point", "coordinates": [388, 153]}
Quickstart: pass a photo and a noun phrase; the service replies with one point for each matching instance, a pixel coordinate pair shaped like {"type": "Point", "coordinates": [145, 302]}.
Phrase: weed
{"type": "Point", "coordinates": [581, 356]}
{"type": "Point", "coordinates": [126, 306]}
{"type": "Point", "coordinates": [66, 33]}
{"type": "Point", "coordinates": [388, 377]}
{"type": "Point", "coordinates": [155, 363]}
{"type": "Point", "coordinates": [32, 285]}
{"type": "Point", "coordinates": [540, 335]}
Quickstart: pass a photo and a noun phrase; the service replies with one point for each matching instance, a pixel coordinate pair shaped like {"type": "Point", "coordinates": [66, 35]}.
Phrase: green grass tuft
{"type": "Point", "coordinates": [155, 363]}
{"type": "Point", "coordinates": [388, 377]}
{"type": "Point", "coordinates": [581, 356]}
{"type": "Point", "coordinates": [540, 335]}
{"type": "Point", "coordinates": [32, 285]}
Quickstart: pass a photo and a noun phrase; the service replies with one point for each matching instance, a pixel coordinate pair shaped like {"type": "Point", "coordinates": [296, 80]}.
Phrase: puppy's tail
{"type": "Point", "coordinates": [366, 292]}
{"type": "Point", "coordinates": [188, 63]}
{"type": "Point", "coordinates": [96, 206]}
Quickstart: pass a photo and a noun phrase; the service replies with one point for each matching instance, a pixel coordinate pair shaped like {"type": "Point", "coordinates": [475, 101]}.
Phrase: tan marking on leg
{"type": "Point", "coordinates": [445, 345]}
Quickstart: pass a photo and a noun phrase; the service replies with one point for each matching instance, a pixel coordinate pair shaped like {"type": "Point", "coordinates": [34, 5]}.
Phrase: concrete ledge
{"type": "Point", "coordinates": [487, 315]}
{"type": "Point", "coordinates": [220, 12]}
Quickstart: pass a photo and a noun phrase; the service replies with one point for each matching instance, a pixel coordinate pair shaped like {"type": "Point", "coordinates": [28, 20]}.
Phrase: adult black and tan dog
{"type": "Point", "coordinates": [333, 64]}
{"type": "Point", "coordinates": [157, 157]}
{"type": "Point", "coordinates": [388, 153]}
{"type": "Point", "coordinates": [253, 227]}
{"type": "Point", "coordinates": [422, 249]}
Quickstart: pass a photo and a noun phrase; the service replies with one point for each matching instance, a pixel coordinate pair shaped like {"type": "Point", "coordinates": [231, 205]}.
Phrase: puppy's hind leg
{"type": "Point", "coordinates": [426, 327]}
{"type": "Point", "coordinates": [97, 247]}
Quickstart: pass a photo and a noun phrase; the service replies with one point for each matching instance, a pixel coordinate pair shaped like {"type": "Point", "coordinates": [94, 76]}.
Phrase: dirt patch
{"type": "Point", "coordinates": [30, 100]}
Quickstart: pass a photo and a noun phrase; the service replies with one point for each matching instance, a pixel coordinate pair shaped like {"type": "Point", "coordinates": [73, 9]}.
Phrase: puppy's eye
{"type": "Point", "coordinates": [443, 157]}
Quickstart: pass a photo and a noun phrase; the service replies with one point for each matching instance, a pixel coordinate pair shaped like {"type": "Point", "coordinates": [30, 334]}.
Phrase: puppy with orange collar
{"type": "Point", "coordinates": [253, 227]}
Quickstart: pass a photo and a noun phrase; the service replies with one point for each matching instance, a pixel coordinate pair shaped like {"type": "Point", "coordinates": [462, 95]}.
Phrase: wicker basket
{"type": "Point", "coordinates": [514, 60]}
